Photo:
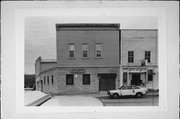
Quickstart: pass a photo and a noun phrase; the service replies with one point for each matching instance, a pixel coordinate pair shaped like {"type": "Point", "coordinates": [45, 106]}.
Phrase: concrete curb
{"type": "Point", "coordinates": [105, 95]}
{"type": "Point", "coordinates": [153, 93]}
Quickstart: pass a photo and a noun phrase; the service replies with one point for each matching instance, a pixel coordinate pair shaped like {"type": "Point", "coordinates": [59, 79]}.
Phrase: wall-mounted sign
{"type": "Point", "coordinates": [136, 69]}
{"type": "Point", "coordinates": [78, 71]}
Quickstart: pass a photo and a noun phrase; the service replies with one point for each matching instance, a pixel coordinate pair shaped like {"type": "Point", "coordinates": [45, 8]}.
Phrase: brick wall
{"type": "Point", "coordinates": [139, 41]}
{"type": "Point", "coordinates": [41, 65]}
{"type": "Point", "coordinates": [110, 47]}
{"type": "Point", "coordinates": [51, 87]}
{"type": "Point", "coordinates": [78, 87]}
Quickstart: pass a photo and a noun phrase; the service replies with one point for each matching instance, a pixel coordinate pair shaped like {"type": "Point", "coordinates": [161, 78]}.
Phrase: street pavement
{"type": "Point", "coordinates": [101, 99]}
{"type": "Point", "coordinates": [147, 100]}
{"type": "Point", "coordinates": [150, 99]}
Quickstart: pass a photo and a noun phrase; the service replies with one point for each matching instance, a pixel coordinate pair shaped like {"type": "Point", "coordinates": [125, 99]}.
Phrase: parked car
{"type": "Point", "coordinates": [128, 90]}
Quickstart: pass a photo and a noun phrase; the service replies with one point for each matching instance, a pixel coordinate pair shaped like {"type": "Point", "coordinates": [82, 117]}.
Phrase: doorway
{"type": "Point", "coordinates": [106, 82]}
{"type": "Point", "coordinates": [136, 79]}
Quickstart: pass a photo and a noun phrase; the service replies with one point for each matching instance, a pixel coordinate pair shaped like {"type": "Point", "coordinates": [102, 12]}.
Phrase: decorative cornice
{"type": "Point", "coordinates": [87, 26]}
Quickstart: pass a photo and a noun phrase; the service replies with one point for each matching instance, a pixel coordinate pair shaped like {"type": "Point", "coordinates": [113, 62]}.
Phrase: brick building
{"type": "Point", "coordinates": [94, 57]}
{"type": "Point", "coordinates": [139, 57]}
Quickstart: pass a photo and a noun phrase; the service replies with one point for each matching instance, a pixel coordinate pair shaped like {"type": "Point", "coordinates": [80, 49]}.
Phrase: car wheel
{"type": "Point", "coordinates": [139, 95]}
{"type": "Point", "coordinates": [115, 95]}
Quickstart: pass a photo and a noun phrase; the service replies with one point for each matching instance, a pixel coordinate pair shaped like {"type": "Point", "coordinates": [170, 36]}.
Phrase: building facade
{"type": "Point", "coordinates": [139, 57]}
{"type": "Point", "coordinates": [87, 59]}
{"type": "Point", "coordinates": [98, 57]}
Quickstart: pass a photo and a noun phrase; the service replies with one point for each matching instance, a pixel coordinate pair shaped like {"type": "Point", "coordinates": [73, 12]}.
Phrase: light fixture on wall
{"type": "Point", "coordinates": [76, 75]}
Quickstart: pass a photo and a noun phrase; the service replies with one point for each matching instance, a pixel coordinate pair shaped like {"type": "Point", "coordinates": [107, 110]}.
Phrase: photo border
{"type": "Point", "coordinates": [100, 9]}
{"type": "Point", "coordinates": [21, 14]}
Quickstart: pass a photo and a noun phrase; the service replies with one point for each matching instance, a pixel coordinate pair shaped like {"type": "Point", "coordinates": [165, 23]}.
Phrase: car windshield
{"type": "Point", "coordinates": [121, 87]}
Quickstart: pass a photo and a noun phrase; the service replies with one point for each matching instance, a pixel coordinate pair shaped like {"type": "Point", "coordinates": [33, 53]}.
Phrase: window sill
{"type": "Point", "coordinates": [88, 85]}
{"type": "Point", "coordinates": [69, 85]}
{"type": "Point", "coordinates": [98, 57]}
{"type": "Point", "coordinates": [86, 58]}
{"type": "Point", "coordinates": [131, 62]}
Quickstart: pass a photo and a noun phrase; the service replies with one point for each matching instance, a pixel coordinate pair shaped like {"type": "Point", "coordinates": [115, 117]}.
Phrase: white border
{"type": "Point", "coordinates": [163, 10]}
{"type": "Point", "coordinates": [21, 14]}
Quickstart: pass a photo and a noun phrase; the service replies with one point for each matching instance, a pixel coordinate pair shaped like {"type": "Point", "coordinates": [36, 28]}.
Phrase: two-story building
{"type": "Point", "coordinates": [88, 60]}
{"type": "Point", "coordinates": [98, 57]}
{"type": "Point", "coordinates": [139, 57]}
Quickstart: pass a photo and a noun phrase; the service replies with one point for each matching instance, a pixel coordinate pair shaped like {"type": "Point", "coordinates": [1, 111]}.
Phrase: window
{"type": "Point", "coordinates": [44, 80]}
{"type": "Point", "coordinates": [71, 50]}
{"type": "Point", "coordinates": [41, 82]}
{"type": "Point", "coordinates": [52, 79]}
{"type": "Point", "coordinates": [125, 78]}
{"type": "Point", "coordinates": [148, 56]}
{"type": "Point", "coordinates": [98, 50]}
{"type": "Point", "coordinates": [69, 79]}
{"type": "Point", "coordinates": [150, 77]}
{"type": "Point", "coordinates": [130, 56]}
{"type": "Point", "coordinates": [86, 79]}
{"type": "Point", "coordinates": [48, 80]}
{"type": "Point", "coordinates": [85, 50]}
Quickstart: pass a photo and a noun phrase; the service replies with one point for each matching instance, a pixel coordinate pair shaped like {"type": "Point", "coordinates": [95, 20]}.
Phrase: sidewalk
{"type": "Point", "coordinates": [34, 98]}
{"type": "Point", "coordinates": [73, 100]}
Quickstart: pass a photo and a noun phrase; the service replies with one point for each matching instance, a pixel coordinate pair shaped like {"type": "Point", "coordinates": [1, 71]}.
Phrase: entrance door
{"type": "Point", "coordinates": [106, 82]}
{"type": "Point", "coordinates": [136, 79]}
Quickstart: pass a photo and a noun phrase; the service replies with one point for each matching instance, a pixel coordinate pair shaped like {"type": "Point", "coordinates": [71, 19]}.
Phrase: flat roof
{"type": "Point", "coordinates": [79, 26]}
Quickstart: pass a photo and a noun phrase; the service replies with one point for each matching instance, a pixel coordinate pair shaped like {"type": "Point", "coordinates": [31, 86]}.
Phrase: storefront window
{"type": "Point", "coordinates": [69, 79]}
{"type": "Point", "coordinates": [86, 79]}
{"type": "Point", "coordinates": [125, 78]}
{"type": "Point", "coordinates": [150, 77]}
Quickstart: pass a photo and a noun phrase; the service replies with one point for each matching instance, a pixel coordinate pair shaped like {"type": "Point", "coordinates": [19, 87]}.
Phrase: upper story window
{"type": "Point", "coordinates": [148, 56]}
{"type": "Point", "coordinates": [130, 56]}
{"type": "Point", "coordinates": [71, 50]}
{"type": "Point", "coordinates": [85, 50]}
{"type": "Point", "coordinates": [98, 50]}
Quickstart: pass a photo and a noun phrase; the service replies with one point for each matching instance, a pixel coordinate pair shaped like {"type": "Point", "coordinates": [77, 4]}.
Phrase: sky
{"type": "Point", "coordinates": [40, 33]}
